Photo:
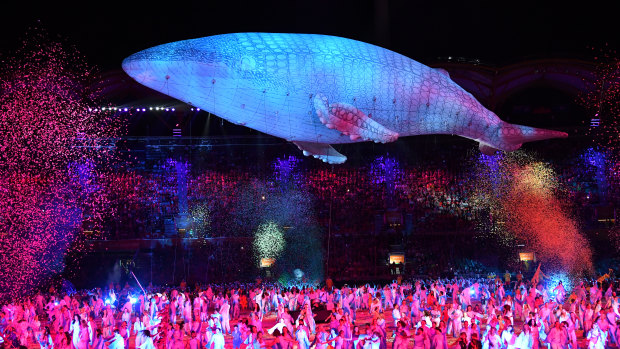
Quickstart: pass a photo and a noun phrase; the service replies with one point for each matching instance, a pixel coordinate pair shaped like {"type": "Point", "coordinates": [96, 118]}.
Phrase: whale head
{"type": "Point", "coordinates": [181, 69]}
{"type": "Point", "coordinates": [189, 70]}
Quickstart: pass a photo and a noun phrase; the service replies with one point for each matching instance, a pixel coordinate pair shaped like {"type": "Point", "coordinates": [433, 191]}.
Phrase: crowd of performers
{"type": "Point", "coordinates": [423, 314]}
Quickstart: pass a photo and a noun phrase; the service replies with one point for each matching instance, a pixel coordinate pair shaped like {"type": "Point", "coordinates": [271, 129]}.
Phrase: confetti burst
{"type": "Point", "coordinates": [524, 201]}
{"type": "Point", "coordinates": [200, 220]}
{"type": "Point", "coordinates": [536, 177]}
{"type": "Point", "coordinates": [292, 210]}
{"type": "Point", "coordinates": [269, 241]}
{"type": "Point", "coordinates": [603, 100]}
{"type": "Point", "coordinates": [614, 237]}
{"type": "Point", "coordinates": [51, 153]}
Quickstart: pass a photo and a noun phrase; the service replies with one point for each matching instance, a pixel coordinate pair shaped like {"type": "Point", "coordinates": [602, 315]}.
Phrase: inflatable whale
{"type": "Point", "coordinates": [317, 90]}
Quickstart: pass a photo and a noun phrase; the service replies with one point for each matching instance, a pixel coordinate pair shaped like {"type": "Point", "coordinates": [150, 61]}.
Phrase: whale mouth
{"type": "Point", "coordinates": [152, 71]}
{"type": "Point", "coordinates": [140, 70]}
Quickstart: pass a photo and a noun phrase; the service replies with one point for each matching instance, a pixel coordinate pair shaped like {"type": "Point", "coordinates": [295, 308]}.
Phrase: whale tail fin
{"type": "Point", "coordinates": [519, 134]}
{"type": "Point", "coordinates": [513, 136]}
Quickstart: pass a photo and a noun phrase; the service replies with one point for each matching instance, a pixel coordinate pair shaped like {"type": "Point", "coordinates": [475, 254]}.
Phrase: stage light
{"type": "Point", "coordinates": [126, 109]}
{"type": "Point", "coordinates": [150, 108]}
{"type": "Point", "coordinates": [143, 109]}
{"type": "Point", "coordinates": [172, 109]}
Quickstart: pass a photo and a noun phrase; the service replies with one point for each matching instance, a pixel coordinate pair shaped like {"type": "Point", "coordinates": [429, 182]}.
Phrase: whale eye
{"type": "Point", "coordinates": [247, 63]}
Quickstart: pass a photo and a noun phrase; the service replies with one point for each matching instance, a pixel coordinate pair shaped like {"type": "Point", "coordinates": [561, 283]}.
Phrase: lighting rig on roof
{"type": "Point", "coordinates": [138, 109]}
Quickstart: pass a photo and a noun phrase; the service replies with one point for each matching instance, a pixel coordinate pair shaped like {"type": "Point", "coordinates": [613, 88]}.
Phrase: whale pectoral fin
{"type": "Point", "coordinates": [486, 149]}
{"type": "Point", "coordinates": [351, 121]}
{"type": "Point", "coordinates": [322, 151]}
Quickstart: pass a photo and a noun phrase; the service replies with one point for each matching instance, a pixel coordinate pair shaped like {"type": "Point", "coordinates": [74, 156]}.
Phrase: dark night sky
{"type": "Point", "coordinates": [497, 32]}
